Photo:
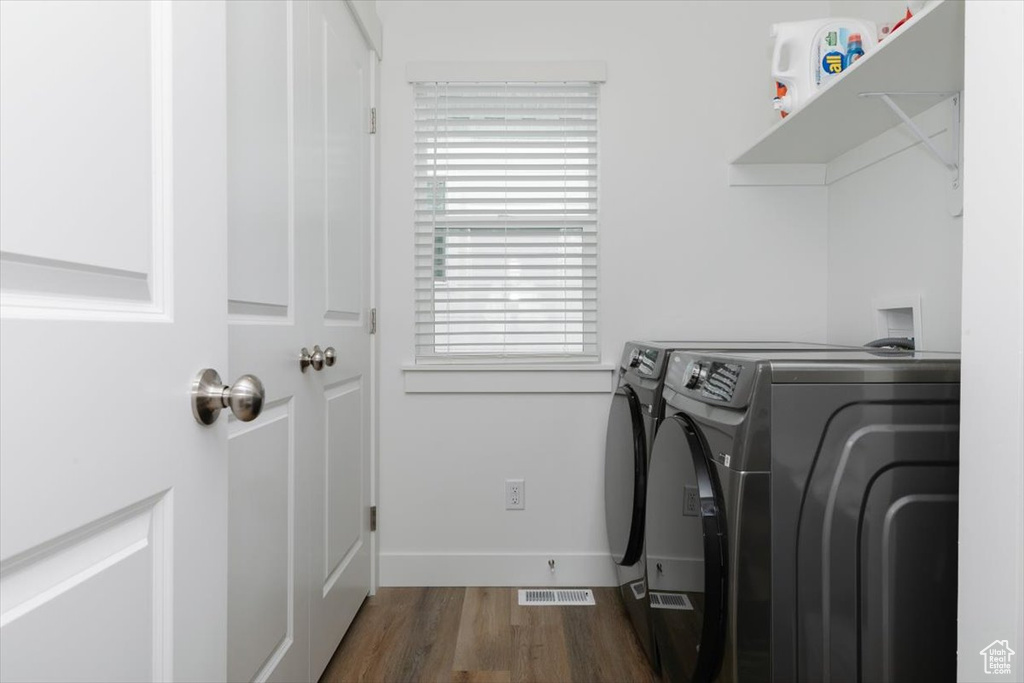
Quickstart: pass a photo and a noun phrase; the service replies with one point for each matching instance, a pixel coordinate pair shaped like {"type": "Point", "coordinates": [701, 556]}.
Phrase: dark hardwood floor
{"type": "Point", "coordinates": [482, 635]}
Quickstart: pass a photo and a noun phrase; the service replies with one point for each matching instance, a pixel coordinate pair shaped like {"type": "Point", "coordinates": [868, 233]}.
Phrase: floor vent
{"type": "Point", "coordinates": [670, 601]}
{"type": "Point", "coordinates": [558, 596]}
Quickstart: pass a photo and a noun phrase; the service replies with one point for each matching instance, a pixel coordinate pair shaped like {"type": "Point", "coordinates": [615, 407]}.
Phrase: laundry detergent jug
{"type": "Point", "coordinates": [810, 54]}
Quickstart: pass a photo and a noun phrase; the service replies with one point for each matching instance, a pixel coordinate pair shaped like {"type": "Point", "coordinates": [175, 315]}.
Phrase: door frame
{"type": "Point", "coordinates": [365, 14]}
{"type": "Point", "coordinates": [375, 342]}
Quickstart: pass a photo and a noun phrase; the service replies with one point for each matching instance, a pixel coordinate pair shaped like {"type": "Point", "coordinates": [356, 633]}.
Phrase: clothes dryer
{"type": "Point", "coordinates": [637, 408]}
{"type": "Point", "coordinates": [801, 517]}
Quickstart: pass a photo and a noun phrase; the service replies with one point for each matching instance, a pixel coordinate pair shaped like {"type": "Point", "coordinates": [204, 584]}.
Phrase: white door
{"type": "Point", "coordinates": [268, 549]}
{"type": "Point", "coordinates": [113, 524]}
{"type": "Point", "coordinates": [298, 278]}
{"type": "Point", "coordinates": [339, 268]}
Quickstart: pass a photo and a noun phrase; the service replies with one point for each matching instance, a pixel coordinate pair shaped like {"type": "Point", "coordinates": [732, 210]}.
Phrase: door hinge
{"type": "Point", "coordinates": [373, 518]}
{"type": "Point", "coordinates": [373, 321]}
{"type": "Point", "coordinates": [373, 120]}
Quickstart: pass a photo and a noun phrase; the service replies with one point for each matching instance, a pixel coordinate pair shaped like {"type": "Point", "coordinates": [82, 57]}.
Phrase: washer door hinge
{"type": "Point", "coordinates": [373, 321]}
{"type": "Point", "coordinates": [373, 518]}
{"type": "Point", "coordinates": [373, 120]}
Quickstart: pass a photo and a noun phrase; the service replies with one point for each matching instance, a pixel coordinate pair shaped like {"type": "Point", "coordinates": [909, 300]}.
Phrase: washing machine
{"type": "Point", "coordinates": [636, 410]}
{"type": "Point", "coordinates": [801, 520]}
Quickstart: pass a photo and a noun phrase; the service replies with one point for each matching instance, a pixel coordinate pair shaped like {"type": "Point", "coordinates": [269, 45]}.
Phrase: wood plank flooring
{"type": "Point", "coordinates": [482, 635]}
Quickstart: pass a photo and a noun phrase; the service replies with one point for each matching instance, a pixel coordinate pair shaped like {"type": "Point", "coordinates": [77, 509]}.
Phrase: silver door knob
{"type": "Point", "coordinates": [315, 359]}
{"type": "Point", "coordinates": [330, 356]}
{"type": "Point", "coordinates": [210, 396]}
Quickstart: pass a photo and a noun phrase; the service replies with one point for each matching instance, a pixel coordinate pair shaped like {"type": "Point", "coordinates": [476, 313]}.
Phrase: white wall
{"type": "Point", "coordinates": [682, 255]}
{"type": "Point", "coordinates": [878, 11]}
{"type": "Point", "coordinates": [891, 234]}
{"type": "Point", "coordinates": [991, 600]}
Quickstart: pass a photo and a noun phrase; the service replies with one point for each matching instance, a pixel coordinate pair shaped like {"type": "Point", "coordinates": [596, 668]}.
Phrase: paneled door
{"type": "Point", "coordinates": [113, 522]}
{"type": "Point", "coordinates": [298, 283]}
{"type": "Point", "coordinates": [268, 309]}
{"type": "Point", "coordinates": [339, 270]}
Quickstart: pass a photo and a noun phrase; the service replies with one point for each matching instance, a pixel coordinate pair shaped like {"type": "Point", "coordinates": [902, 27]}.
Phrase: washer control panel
{"type": "Point", "coordinates": [643, 360]}
{"type": "Point", "coordinates": [648, 362]}
{"type": "Point", "coordinates": [695, 374]}
{"type": "Point", "coordinates": [721, 381]}
{"type": "Point", "coordinates": [708, 379]}
{"type": "Point", "coordinates": [715, 380]}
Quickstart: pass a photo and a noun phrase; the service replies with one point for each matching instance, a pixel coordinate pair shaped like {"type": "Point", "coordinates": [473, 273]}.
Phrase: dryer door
{"type": "Point", "coordinates": [686, 554]}
{"type": "Point", "coordinates": [625, 477]}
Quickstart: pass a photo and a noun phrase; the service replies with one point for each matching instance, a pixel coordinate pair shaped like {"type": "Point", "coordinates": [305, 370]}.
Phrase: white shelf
{"type": "Point", "coordinates": [925, 55]}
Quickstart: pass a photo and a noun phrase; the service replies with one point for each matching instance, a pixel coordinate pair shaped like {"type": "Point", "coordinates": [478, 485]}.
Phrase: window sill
{"type": "Point", "coordinates": [508, 379]}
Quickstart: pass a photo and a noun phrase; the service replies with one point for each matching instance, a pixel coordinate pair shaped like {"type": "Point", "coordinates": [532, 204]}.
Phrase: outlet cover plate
{"type": "Point", "coordinates": [515, 494]}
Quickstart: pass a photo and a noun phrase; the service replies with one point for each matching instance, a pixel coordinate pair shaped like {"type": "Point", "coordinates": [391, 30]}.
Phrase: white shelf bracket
{"type": "Point", "coordinates": [952, 160]}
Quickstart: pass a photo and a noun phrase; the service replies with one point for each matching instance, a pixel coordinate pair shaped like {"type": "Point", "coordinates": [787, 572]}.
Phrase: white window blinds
{"type": "Point", "coordinates": [506, 220]}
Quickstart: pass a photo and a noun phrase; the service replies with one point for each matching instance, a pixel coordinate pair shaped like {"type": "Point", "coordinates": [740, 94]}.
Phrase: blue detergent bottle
{"type": "Point", "coordinates": [854, 49]}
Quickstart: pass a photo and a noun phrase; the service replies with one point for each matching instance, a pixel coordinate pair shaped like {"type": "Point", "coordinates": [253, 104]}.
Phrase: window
{"type": "Point", "coordinates": [506, 220]}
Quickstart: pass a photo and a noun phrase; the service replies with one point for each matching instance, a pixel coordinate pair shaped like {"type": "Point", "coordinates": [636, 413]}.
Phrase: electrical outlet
{"type": "Point", "coordinates": [691, 501]}
{"type": "Point", "coordinates": [515, 494]}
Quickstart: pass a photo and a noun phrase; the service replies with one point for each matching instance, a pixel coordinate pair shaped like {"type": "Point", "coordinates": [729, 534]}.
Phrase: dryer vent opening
{"type": "Point", "coordinates": [899, 316]}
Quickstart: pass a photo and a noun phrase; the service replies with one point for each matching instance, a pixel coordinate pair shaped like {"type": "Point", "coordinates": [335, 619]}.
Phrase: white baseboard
{"type": "Point", "coordinates": [496, 569]}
